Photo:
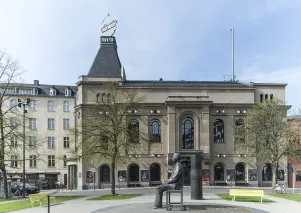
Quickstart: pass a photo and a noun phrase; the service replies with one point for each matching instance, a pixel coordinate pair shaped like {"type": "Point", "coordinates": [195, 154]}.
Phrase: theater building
{"type": "Point", "coordinates": [184, 116]}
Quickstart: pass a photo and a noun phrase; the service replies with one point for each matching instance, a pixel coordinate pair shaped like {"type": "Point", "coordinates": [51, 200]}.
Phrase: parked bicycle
{"type": "Point", "coordinates": [280, 189]}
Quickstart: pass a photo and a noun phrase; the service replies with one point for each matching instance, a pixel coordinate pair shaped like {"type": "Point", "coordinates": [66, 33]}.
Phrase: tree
{"type": "Point", "coordinates": [110, 128]}
{"type": "Point", "coordinates": [265, 134]}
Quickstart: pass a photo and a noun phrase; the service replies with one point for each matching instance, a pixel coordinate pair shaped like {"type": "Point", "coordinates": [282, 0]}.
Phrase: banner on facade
{"type": "Point", "coordinates": [121, 176]}
{"type": "Point", "coordinates": [144, 175]}
{"type": "Point", "coordinates": [205, 175]}
{"type": "Point", "coordinates": [252, 174]}
{"type": "Point", "coordinates": [230, 174]}
{"type": "Point", "coordinates": [89, 178]}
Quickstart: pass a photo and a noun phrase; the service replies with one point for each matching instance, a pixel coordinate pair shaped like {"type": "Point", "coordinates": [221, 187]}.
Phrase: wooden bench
{"type": "Point", "coordinates": [246, 193]}
{"type": "Point", "coordinates": [39, 198]}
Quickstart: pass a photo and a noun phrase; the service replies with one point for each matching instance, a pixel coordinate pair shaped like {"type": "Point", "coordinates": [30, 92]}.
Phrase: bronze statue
{"type": "Point", "coordinates": [174, 182]}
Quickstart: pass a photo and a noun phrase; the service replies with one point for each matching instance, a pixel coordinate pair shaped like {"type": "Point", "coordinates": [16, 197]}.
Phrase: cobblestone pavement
{"type": "Point", "coordinates": [206, 208]}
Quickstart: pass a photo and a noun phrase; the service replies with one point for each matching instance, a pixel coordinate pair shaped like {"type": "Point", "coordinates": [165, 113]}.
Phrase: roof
{"type": "Point", "coordinates": [106, 63]}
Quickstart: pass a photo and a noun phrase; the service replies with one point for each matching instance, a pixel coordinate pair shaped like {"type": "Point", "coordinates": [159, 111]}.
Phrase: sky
{"type": "Point", "coordinates": [56, 41]}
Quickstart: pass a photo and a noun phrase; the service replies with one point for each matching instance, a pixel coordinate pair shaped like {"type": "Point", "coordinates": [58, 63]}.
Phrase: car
{"type": "Point", "coordinates": [17, 187]}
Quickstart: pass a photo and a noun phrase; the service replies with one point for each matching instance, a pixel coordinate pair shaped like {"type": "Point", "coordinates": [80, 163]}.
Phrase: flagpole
{"type": "Point", "coordinates": [233, 76]}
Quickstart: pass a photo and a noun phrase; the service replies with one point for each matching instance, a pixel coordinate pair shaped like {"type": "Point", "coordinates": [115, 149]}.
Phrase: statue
{"type": "Point", "coordinates": [174, 182]}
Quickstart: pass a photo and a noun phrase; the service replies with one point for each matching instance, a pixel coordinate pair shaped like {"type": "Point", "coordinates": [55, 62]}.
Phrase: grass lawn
{"type": "Point", "coordinates": [244, 199]}
{"type": "Point", "coordinates": [115, 197]}
{"type": "Point", "coordinates": [295, 197]}
{"type": "Point", "coordinates": [19, 205]}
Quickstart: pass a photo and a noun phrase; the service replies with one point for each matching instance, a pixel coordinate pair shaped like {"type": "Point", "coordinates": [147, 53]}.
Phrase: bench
{"type": "Point", "coordinates": [39, 198]}
{"type": "Point", "coordinates": [169, 203]}
{"type": "Point", "coordinates": [246, 193]}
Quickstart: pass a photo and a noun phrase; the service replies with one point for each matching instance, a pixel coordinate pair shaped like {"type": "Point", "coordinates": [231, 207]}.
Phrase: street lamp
{"type": "Point", "coordinates": [24, 104]}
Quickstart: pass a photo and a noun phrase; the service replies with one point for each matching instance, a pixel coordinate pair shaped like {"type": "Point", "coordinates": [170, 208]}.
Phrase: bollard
{"type": "Point", "coordinates": [48, 203]}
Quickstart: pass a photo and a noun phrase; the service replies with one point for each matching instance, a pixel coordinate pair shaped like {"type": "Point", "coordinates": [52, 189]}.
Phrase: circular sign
{"type": "Point", "coordinates": [109, 23]}
{"type": "Point", "coordinates": [93, 170]}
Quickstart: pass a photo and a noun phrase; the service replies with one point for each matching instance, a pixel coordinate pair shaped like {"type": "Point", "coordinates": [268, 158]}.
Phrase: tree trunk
{"type": "Point", "coordinates": [274, 177]}
{"type": "Point", "coordinates": [113, 177]}
{"type": "Point", "coordinates": [2, 154]}
{"type": "Point", "coordinates": [5, 183]}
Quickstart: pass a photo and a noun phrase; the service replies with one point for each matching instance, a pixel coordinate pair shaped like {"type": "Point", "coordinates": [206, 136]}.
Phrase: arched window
{"type": "Point", "coordinates": [133, 172]}
{"type": "Point", "coordinates": [267, 172]}
{"type": "Point", "coordinates": [98, 98]}
{"type": "Point", "coordinates": [218, 131]}
{"type": "Point", "coordinates": [133, 131]}
{"type": "Point", "coordinates": [109, 98]}
{"type": "Point", "coordinates": [104, 175]}
{"type": "Point", "coordinates": [66, 106]}
{"type": "Point", "coordinates": [155, 131]}
{"type": "Point", "coordinates": [50, 106]}
{"type": "Point", "coordinates": [271, 96]}
{"type": "Point", "coordinates": [219, 172]}
{"type": "Point", "coordinates": [104, 140]}
{"type": "Point", "coordinates": [261, 98]}
{"type": "Point", "coordinates": [266, 96]}
{"type": "Point", "coordinates": [240, 171]}
{"type": "Point", "coordinates": [155, 172]}
{"type": "Point", "coordinates": [103, 98]}
{"type": "Point", "coordinates": [240, 131]}
{"type": "Point", "coordinates": [188, 133]}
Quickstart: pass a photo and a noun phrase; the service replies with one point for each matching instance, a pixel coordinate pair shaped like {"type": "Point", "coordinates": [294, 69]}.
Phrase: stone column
{"type": "Point", "coordinates": [205, 131]}
{"type": "Point", "coordinates": [171, 148]}
{"type": "Point", "coordinates": [196, 177]}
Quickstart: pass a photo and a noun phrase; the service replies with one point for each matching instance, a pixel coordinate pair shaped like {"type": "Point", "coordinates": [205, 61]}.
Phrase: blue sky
{"type": "Point", "coordinates": [56, 41]}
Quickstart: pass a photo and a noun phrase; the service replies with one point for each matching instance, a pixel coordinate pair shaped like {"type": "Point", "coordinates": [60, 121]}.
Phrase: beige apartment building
{"type": "Point", "coordinates": [48, 119]}
{"type": "Point", "coordinates": [181, 116]}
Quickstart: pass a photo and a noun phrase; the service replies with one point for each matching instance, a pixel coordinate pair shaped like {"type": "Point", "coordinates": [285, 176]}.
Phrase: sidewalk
{"type": "Point", "coordinates": [84, 206]}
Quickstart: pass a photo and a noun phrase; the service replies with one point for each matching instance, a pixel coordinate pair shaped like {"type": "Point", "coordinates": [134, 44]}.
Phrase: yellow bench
{"type": "Point", "coordinates": [246, 193]}
{"type": "Point", "coordinates": [39, 198]}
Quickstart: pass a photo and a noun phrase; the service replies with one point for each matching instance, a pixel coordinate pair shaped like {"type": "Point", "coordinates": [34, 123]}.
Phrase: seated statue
{"type": "Point", "coordinates": [174, 182]}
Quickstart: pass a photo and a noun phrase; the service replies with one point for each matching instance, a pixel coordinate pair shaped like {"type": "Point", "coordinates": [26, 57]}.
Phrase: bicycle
{"type": "Point", "coordinates": [280, 188]}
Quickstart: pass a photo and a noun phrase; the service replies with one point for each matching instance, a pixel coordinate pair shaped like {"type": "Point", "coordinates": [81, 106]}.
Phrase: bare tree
{"type": "Point", "coordinates": [110, 128]}
{"type": "Point", "coordinates": [265, 134]}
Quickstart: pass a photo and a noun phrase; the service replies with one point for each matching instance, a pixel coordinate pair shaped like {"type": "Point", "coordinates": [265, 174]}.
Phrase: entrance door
{"type": "Point", "coordinates": [187, 168]}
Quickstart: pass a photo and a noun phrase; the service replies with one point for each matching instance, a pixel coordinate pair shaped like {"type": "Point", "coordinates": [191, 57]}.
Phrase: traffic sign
{"type": "Point", "coordinates": [93, 170]}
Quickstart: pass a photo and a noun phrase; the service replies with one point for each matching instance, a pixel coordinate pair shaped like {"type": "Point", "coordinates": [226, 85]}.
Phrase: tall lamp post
{"type": "Point", "coordinates": [24, 104]}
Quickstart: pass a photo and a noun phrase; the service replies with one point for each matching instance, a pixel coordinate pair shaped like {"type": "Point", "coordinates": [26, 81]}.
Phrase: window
{"type": "Point", "coordinates": [66, 142]}
{"type": "Point", "coordinates": [32, 123]}
{"type": "Point", "coordinates": [66, 106]}
{"type": "Point", "coordinates": [239, 172]}
{"type": "Point", "coordinates": [188, 133]}
{"type": "Point", "coordinates": [51, 161]}
{"type": "Point", "coordinates": [32, 141]}
{"type": "Point", "coordinates": [298, 175]}
{"type": "Point", "coordinates": [68, 92]}
{"type": "Point", "coordinates": [219, 172]}
{"type": "Point", "coordinates": [109, 98]}
{"type": "Point", "coordinates": [266, 96]}
{"type": "Point", "coordinates": [24, 91]}
{"type": "Point", "coordinates": [51, 142]}
{"type": "Point", "coordinates": [133, 128]}
{"type": "Point", "coordinates": [155, 131]}
{"type": "Point", "coordinates": [14, 122]}
{"type": "Point", "coordinates": [239, 130]}
{"type": "Point", "coordinates": [52, 91]}
{"type": "Point", "coordinates": [13, 103]}
{"type": "Point", "coordinates": [50, 123]}
{"type": "Point", "coordinates": [271, 96]}
{"type": "Point", "coordinates": [98, 98]}
{"type": "Point", "coordinates": [35, 91]}
{"type": "Point", "coordinates": [66, 124]}
{"type": "Point", "coordinates": [50, 106]}
{"type": "Point", "coordinates": [267, 172]}
{"type": "Point", "coordinates": [65, 160]}
{"type": "Point", "coordinates": [32, 161]}
{"type": "Point", "coordinates": [104, 142]}
{"type": "Point", "coordinates": [32, 105]}
{"type": "Point", "coordinates": [105, 173]}
{"type": "Point", "coordinates": [261, 98]}
{"type": "Point", "coordinates": [13, 141]}
{"type": "Point", "coordinates": [103, 98]}
{"type": "Point", "coordinates": [14, 161]}
{"type": "Point", "coordinates": [218, 131]}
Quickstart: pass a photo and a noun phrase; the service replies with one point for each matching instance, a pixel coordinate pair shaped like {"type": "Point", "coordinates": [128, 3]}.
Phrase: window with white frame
{"type": "Point", "coordinates": [35, 91]}
{"type": "Point", "coordinates": [33, 105]}
{"type": "Point", "coordinates": [13, 141]}
{"type": "Point", "coordinates": [32, 161]}
{"type": "Point", "coordinates": [66, 106]}
{"type": "Point", "coordinates": [66, 124]}
{"type": "Point", "coordinates": [68, 92]}
{"type": "Point", "coordinates": [51, 142]}
{"type": "Point", "coordinates": [32, 141]}
{"type": "Point", "coordinates": [53, 91]}
{"type": "Point", "coordinates": [25, 91]}
{"type": "Point", "coordinates": [50, 106]}
{"type": "Point", "coordinates": [50, 123]}
{"type": "Point", "coordinates": [13, 122]}
{"type": "Point", "coordinates": [32, 123]}
{"type": "Point", "coordinates": [51, 160]}
{"type": "Point", "coordinates": [14, 161]}
{"type": "Point", "coordinates": [66, 142]}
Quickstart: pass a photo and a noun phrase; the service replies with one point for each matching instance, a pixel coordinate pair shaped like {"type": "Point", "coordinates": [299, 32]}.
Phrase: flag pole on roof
{"type": "Point", "coordinates": [233, 76]}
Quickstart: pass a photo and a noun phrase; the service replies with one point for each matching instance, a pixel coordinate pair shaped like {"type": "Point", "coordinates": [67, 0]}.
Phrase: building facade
{"type": "Point", "coordinates": [184, 116]}
{"type": "Point", "coordinates": [48, 118]}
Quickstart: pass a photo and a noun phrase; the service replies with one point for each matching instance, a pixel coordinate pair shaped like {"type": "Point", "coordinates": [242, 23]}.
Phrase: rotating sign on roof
{"type": "Point", "coordinates": [109, 24]}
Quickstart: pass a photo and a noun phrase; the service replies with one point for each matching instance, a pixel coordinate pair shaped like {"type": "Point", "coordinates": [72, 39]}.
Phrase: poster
{"type": "Point", "coordinates": [280, 175]}
{"type": "Point", "coordinates": [169, 173]}
{"type": "Point", "coordinates": [230, 174]}
{"type": "Point", "coordinates": [205, 175]}
{"type": "Point", "coordinates": [121, 176]}
{"type": "Point", "coordinates": [252, 175]}
{"type": "Point", "coordinates": [89, 178]}
{"type": "Point", "coordinates": [144, 175]}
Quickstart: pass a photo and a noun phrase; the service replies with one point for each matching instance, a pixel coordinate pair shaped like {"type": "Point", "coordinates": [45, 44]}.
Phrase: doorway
{"type": "Point", "coordinates": [187, 170]}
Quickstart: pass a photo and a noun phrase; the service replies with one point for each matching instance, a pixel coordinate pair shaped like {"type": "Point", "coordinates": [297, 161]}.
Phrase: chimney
{"type": "Point", "coordinates": [36, 82]}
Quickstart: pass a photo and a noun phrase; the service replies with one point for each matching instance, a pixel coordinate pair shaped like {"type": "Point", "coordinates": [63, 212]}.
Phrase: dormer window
{"type": "Point", "coordinates": [52, 91]}
{"type": "Point", "coordinates": [68, 92]}
{"type": "Point", "coordinates": [35, 91]}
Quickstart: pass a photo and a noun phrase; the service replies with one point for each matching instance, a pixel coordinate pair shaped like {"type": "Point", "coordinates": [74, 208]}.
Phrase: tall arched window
{"type": "Point", "coordinates": [133, 131]}
{"type": "Point", "coordinates": [267, 172]}
{"type": "Point", "coordinates": [240, 131]}
{"type": "Point", "coordinates": [240, 171]}
{"type": "Point", "coordinates": [188, 133]}
{"type": "Point", "coordinates": [155, 131]}
{"type": "Point", "coordinates": [50, 106]}
{"type": "Point", "coordinates": [155, 172]}
{"type": "Point", "coordinates": [103, 98]}
{"type": "Point", "coordinates": [218, 131]}
{"type": "Point", "coordinates": [219, 172]}
{"type": "Point", "coordinates": [104, 173]}
{"type": "Point", "coordinates": [98, 98]}
{"type": "Point", "coordinates": [66, 106]}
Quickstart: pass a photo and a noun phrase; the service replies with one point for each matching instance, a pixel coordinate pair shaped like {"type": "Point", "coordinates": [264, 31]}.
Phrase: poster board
{"type": "Point", "coordinates": [121, 176]}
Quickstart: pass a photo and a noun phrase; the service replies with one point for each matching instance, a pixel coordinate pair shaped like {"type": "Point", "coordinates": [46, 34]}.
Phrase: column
{"type": "Point", "coordinates": [171, 147]}
{"type": "Point", "coordinates": [205, 131]}
{"type": "Point", "coordinates": [196, 177]}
